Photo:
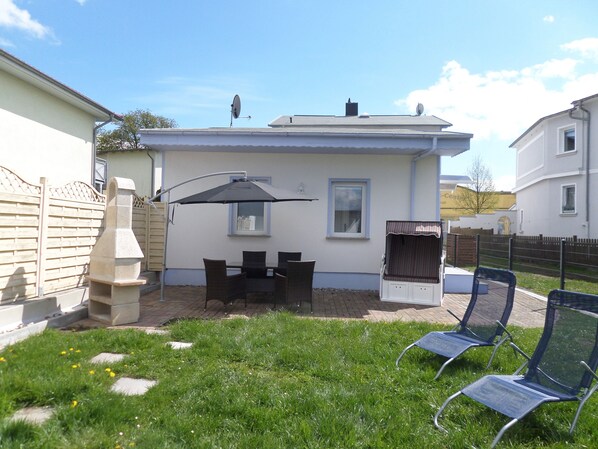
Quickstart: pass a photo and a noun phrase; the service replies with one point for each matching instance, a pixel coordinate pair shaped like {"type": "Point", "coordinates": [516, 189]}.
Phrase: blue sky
{"type": "Point", "coordinates": [491, 68]}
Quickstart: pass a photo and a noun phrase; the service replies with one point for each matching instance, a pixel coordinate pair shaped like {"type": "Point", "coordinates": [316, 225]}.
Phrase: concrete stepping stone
{"type": "Point", "coordinates": [107, 357]}
{"type": "Point", "coordinates": [179, 345]}
{"type": "Point", "coordinates": [155, 331]}
{"type": "Point", "coordinates": [132, 387]}
{"type": "Point", "coordinates": [33, 415]}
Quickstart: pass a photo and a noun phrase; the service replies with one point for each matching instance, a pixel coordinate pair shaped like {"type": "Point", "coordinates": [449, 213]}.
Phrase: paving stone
{"type": "Point", "coordinates": [132, 387]}
{"type": "Point", "coordinates": [156, 331]}
{"type": "Point", "coordinates": [179, 345]}
{"type": "Point", "coordinates": [33, 415]}
{"type": "Point", "coordinates": [108, 357]}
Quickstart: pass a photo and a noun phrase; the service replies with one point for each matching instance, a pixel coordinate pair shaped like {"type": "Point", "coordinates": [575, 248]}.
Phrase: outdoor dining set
{"type": "Point", "coordinates": [288, 281]}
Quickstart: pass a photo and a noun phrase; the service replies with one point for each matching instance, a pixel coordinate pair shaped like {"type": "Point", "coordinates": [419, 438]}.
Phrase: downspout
{"type": "Point", "coordinates": [152, 180]}
{"type": "Point", "coordinates": [413, 172]}
{"type": "Point", "coordinates": [93, 146]}
{"type": "Point", "coordinates": [579, 105]}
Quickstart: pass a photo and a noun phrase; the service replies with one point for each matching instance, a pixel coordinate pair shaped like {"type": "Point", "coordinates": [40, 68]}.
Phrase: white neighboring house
{"type": "Point", "coordinates": [557, 173]}
{"type": "Point", "coordinates": [143, 166]}
{"type": "Point", "coordinates": [46, 128]}
{"type": "Point", "coordinates": [363, 169]}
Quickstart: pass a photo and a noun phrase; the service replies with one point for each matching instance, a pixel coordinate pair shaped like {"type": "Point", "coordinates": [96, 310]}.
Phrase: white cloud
{"type": "Point", "coordinates": [586, 48]}
{"type": "Point", "coordinates": [11, 16]}
{"type": "Point", "coordinates": [81, 2]}
{"type": "Point", "coordinates": [548, 19]}
{"type": "Point", "coordinates": [504, 103]}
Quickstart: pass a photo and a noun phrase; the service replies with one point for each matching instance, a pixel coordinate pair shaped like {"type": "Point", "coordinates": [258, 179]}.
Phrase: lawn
{"type": "Point", "coordinates": [274, 381]}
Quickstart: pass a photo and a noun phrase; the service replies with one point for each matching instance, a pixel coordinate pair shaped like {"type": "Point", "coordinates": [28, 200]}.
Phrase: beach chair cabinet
{"type": "Point", "coordinates": [412, 268]}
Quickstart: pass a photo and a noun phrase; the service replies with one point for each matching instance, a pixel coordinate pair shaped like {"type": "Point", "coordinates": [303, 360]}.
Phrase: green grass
{"type": "Point", "coordinates": [275, 381]}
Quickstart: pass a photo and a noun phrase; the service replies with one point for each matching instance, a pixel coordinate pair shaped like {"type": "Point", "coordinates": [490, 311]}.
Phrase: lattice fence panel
{"type": "Point", "coordinates": [20, 205]}
{"type": "Point", "coordinates": [75, 221]}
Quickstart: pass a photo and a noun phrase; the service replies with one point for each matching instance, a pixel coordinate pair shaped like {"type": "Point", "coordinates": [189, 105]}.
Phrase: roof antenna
{"type": "Point", "coordinates": [419, 109]}
{"type": "Point", "coordinates": [235, 110]}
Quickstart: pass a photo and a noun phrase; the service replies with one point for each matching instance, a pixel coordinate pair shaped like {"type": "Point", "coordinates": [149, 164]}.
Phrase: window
{"type": "Point", "coordinates": [348, 215]}
{"type": "Point", "coordinates": [250, 218]}
{"type": "Point", "coordinates": [568, 199]}
{"type": "Point", "coordinates": [567, 139]}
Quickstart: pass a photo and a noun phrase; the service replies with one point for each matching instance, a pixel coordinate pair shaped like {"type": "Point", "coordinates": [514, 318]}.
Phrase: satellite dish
{"type": "Point", "coordinates": [419, 109]}
{"type": "Point", "coordinates": [235, 108]}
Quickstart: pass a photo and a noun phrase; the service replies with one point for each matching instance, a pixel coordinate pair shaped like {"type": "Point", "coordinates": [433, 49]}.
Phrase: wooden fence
{"type": "Point", "coordinates": [47, 234]}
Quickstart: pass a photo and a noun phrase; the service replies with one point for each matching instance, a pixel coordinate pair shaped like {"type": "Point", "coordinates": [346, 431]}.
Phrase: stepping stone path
{"type": "Point", "coordinates": [125, 385]}
{"type": "Point", "coordinates": [33, 415]}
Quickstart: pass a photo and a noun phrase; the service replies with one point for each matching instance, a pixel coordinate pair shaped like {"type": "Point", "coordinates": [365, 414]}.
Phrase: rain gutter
{"type": "Point", "coordinates": [413, 175]}
{"type": "Point", "coordinates": [587, 118]}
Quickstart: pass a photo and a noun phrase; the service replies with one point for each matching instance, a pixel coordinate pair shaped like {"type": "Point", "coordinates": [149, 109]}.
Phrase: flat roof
{"type": "Point", "coordinates": [358, 121]}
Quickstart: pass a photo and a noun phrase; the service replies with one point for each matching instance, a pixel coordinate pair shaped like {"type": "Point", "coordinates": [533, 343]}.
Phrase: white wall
{"type": "Point", "coordinates": [201, 230]}
{"type": "Point", "coordinates": [135, 165]}
{"type": "Point", "coordinates": [41, 135]}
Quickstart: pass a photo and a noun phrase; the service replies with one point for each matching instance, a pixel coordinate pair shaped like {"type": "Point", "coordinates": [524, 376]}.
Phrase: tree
{"type": "Point", "coordinates": [126, 135]}
{"type": "Point", "coordinates": [480, 197]}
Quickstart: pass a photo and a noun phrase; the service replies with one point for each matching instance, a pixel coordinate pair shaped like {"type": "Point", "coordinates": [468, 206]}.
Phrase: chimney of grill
{"type": "Point", "coordinates": [351, 109]}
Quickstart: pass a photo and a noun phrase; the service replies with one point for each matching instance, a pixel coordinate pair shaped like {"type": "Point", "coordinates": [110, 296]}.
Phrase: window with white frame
{"type": "Point", "coordinates": [348, 214]}
{"type": "Point", "coordinates": [250, 218]}
{"type": "Point", "coordinates": [567, 139]}
{"type": "Point", "coordinates": [568, 199]}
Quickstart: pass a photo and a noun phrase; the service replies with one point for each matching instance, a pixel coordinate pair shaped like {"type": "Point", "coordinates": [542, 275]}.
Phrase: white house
{"type": "Point", "coordinates": [363, 169]}
{"type": "Point", "coordinates": [557, 173]}
{"type": "Point", "coordinates": [143, 166]}
{"type": "Point", "coordinates": [46, 128]}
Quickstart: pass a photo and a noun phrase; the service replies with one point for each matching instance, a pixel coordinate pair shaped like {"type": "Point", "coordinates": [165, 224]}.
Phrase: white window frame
{"type": "Point", "coordinates": [564, 189]}
{"type": "Point", "coordinates": [562, 132]}
{"type": "Point", "coordinates": [234, 210]}
{"type": "Point", "coordinates": [365, 185]}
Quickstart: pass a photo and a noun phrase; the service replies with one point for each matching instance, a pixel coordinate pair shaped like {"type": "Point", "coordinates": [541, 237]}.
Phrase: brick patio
{"type": "Point", "coordinates": [188, 302]}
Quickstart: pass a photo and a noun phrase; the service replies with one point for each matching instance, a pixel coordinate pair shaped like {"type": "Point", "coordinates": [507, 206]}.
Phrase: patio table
{"type": "Point", "coordinates": [257, 285]}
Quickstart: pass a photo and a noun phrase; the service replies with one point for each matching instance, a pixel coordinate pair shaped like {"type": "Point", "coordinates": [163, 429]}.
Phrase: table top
{"type": "Point", "coordinates": [236, 264]}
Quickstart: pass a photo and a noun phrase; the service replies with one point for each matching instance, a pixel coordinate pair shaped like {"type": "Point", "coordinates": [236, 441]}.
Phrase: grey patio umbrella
{"type": "Point", "coordinates": [243, 191]}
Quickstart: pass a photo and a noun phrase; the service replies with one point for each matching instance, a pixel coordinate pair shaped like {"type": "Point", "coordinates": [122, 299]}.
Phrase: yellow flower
{"type": "Point", "coordinates": [71, 349]}
{"type": "Point", "coordinates": [63, 353]}
{"type": "Point", "coordinates": [75, 366]}
{"type": "Point", "coordinates": [91, 372]}
{"type": "Point", "coordinates": [2, 359]}
{"type": "Point", "coordinates": [74, 403]}
{"type": "Point", "coordinates": [78, 350]}
{"type": "Point", "coordinates": [107, 370]}
{"type": "Point", "coordinates": [112, 374]}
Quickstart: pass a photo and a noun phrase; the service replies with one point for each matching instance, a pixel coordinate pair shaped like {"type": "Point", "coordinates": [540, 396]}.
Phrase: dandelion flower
{"type": "Point", "coordinates": [91, 372]}
{"type": "Point", "coordinates": [71, 349]}
{"type": "Point", "coordinates": [74, 403]}
{"type": "Point", "coordinates": [78, 350]}
{"type": "Point", "coordinates": [112, 374]}
{"type": "Point", "coordinates": [75, 366]}
{"type": "Point", "coordinates": [2, 359]}
{"type": "Point", "coordinates": [63, 353]}
{"type": "Point", "coordinates": [107, 370]}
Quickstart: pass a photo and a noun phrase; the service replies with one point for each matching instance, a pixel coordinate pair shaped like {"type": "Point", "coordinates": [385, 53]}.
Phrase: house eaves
{"type": "Point", "coordinates": [306, 140]}
{"type": "Point", "coordinates": [34, 77]}
{"type": "Point", "coordinates": [556, 114]}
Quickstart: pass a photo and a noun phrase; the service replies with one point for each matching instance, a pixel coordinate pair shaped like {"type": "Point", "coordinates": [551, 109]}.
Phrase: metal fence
{"type": "Point", "coordinates": [567, 258]}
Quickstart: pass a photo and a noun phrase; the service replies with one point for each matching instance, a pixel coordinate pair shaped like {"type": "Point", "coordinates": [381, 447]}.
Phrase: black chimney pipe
{"type": "Point", "coordinates": [351, 109]}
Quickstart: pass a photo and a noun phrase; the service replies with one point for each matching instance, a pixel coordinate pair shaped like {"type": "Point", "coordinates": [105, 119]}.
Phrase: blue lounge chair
{"type": "Point", "coordinates": [484, 322]}
{"type": "Point", "coordinates": [562, 368]}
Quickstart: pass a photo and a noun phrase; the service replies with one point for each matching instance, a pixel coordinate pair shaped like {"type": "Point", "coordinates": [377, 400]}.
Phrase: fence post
{"type": "Point", "coordinates": [511, 253]}
{"type": "Point", "coordinates": [477, 251]}
{"type": "Point", "coordinates": [455, 243]}
{"type": "Point", "coordinates": [42, 240]}
{"type": "Point", "coordinates": [562, 262]}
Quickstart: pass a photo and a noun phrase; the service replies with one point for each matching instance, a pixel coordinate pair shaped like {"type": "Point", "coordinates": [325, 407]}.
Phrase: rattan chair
{"type": "Point", "coordinates": [297, 285]}
{"type": "Point", "coordinates": [254, 264]}
{"type": "Point", "coordinates": [283, 260]}
{"type": "Point", "coordinates": [221, 286]}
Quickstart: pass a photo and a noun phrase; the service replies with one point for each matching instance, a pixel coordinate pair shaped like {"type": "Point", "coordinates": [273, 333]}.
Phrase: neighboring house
{"type": "Point", "coordinates": [46, 128]}
{"type": "Point", "coordinates": [557, 173]}
{"type": "Point", "coordinates": [143, 166]}
{"type": "Point", "coordinates": [363, 169]}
